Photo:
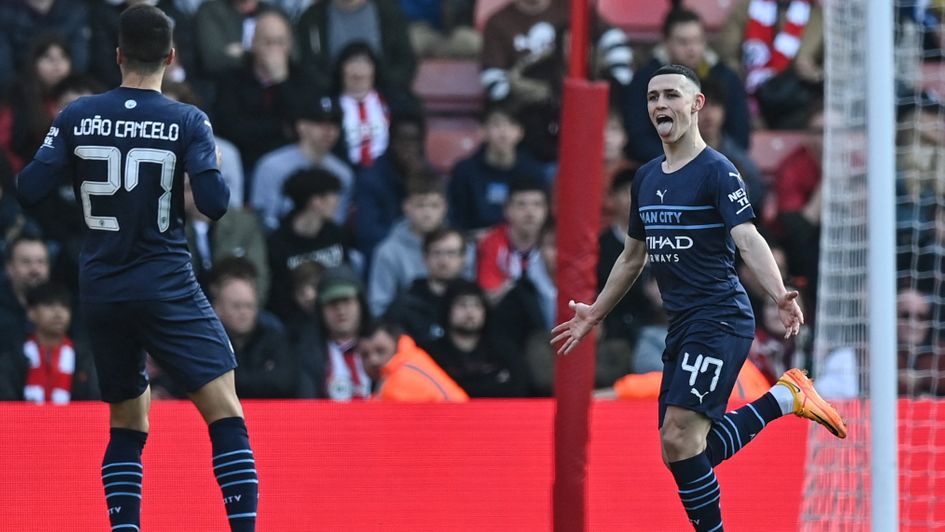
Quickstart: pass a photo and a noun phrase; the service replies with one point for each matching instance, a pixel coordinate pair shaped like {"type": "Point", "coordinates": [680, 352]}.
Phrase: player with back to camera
{"type": "Point", "coordinates": [689, 212]}
{"type": "Point", "coordinates": [126, 151]}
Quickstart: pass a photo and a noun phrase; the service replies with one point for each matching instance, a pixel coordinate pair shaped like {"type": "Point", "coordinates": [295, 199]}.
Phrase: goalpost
{"type": "Point", "coordinates": [882, 240]}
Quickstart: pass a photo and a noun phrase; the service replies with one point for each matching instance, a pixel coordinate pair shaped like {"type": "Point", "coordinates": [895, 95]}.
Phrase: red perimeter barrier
{"type": "Point", "coordinates": [481, 466]}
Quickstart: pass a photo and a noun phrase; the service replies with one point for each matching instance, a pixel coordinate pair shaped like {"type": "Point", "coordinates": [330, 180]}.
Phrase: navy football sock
{"type": "Point", "coordinates": [235, 469]}
{"type": "Point", "coordinates": [699, 492]}
{"type": "Point", "coordinates": [122, 474]}
{"type": "Point", "coordinates": [739, 427]}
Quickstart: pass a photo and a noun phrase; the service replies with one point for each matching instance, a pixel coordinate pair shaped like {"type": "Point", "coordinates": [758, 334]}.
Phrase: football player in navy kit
{"type": "Point", "coordinates": [689, 213]}
{"type": "Point", "coordinates": [126, 152]}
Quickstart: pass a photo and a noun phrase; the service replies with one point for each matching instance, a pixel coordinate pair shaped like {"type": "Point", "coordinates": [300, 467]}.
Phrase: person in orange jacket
{"type": "Point", "coordinates": [403, 371]}
{"type": "Point", "coordinates": [751, 384]}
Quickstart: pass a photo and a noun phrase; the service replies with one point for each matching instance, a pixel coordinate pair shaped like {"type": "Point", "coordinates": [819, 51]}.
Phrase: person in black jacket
{"type": "Point", "coordinates": [267, 367]}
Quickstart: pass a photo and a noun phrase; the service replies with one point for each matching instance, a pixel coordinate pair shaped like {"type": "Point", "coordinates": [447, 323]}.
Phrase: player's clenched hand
{"type": "Point", "coordinates": [572, 331]}
{"type": "Point", "coordinates": [790, 313]}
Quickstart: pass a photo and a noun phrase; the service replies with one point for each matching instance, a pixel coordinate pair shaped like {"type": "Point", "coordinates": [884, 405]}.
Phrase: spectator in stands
{"type": "Point", "coordinates": [402, 371]}
{"type": "Point", "coordinates": [317, 124]}
{"type": "Point", "coordinates": [511, 249]}
{"type": "Point", "coordinates": [778, 47]}
{"type": "Point", "coordinates": [398, 259]}
{"type": "Point", "coordinates": [21, 22]}
{"type": "Point", "coordinates": [27, 266]}
{"type": "Point", "coordinates": [73, 87]}
{"type": "Point", "coordinates": [31, 104]}
{"type": "Point", "coordinates": [225, 32]}
{"type": "Point", "coordinates": [443, 28]}
{"type": "Point", "coordinates": [523, 59]}
{"type": "Point", "coordinates": [523, 33]}
{"type": "Point", "coordinates": [231, 163]}
{"type": "Point", "coordinates": [301, 319]}
{"type": "Point", "coordinates": [381, 188]}
{"type": "Point", "coordinates": [471, 353]}
{"type": "Point", "coordinates": [712, 119]}
{"type": "Point", "coordinates": [307, 232]}
{"type": "Point", "coordinates": [51, 354]}
{"type": "Point", "coordinates": [770, 352]}
{"type": "Point", "coordinates": [920, 167]}
{"type": "Point", "coordinates": [365, 113]}
{"type": "Point", "coordinates": [684, 43]}
{"type": "Point", "coordinates": [635, 309]}
{"type": "Point", "coordinates": [921, 359]}
{"type": "Point", "coordinates": [12, 220]}
{"type": "Point", "coordinates": [479, 186]}
{"type": "Point", "coordinates": [797, 188]}
{"type": "Point", "coordinates": [326, 28]}
{"type": "Point", "coordinates": [615, 161]}
{"type": "Point", "coordinates": [236, 234]}
{"type": "Point", "coordinates": [332, 368]}
{"type": "Point", "coordinates": [103, 23]}
{"type": "Point", "coordinates": [419, 309]}
{"type": "Point", "coordinates": [267, 367]}
{"type": "Point", "coordinates": [253, 103]}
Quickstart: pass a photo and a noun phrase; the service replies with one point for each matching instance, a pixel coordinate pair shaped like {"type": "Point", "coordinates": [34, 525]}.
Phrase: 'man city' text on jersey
{"type": "Point", "coordinates": [147, 129]}
{"type": "Point", "coordinates": [661, 217]}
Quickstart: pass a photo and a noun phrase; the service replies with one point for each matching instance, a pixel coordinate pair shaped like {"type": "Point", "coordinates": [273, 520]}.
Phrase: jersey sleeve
{"type": "Point", "coordinates": [731, 197]}
{"type": "Point", "coordinates": [201, 154]}
{"type": "Point", "coordinates": [52, 162]}
{"type": "Point", "coordinates": [636, 229]}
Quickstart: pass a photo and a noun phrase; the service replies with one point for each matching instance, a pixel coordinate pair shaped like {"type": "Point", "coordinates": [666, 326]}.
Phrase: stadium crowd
{"type": "Point", "coordinates": [346, 253]}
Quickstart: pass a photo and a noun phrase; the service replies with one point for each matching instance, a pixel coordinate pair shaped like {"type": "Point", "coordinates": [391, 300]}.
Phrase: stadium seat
{"type": "Point", "coordinates": [643, 19]}
{"type": "Point", "coordinates": [451, 139]}
{"type": "Point", "coordinates": [449, 86]}
{"type": "Point", "coordinates": [769, 148]}
{"type": "Point", "coordinates": [485, 9]}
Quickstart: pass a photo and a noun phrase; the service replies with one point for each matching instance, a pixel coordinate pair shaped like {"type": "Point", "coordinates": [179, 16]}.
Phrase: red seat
{"type": "Point", "coordinates": [769, 148]}
{"type": "Point", "coordinates": [485, 9]}
{"type": "Point", "coordinates": [449, 86]}
{"type": "Point", "coordinates": [449, 140]}
{"type": "Point", "coordinates": [641, 19]}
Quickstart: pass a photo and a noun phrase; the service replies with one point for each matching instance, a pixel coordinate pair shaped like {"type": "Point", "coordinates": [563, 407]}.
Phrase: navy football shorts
{"type": "Point", "coordinates": [701, 363]}
{"type": "Point", "coordinates": [183, 336]}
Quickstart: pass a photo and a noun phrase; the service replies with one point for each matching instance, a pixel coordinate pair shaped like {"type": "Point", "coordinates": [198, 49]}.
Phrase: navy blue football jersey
{"type": "Point", "coordinates": [126, 151]}
{"type": "Point", "coordinates": [685, 218]}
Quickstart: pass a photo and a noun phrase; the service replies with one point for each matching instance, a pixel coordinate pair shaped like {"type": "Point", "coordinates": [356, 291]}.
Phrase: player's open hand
{"type": "Point", "coordinates": [790, 313]}
{"type": "Point", "coordinates": [572, 331]}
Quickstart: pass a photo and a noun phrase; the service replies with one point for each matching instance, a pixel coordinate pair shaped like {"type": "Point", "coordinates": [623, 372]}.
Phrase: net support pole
{"type": "Point", "coordinates": [578, 203]}
{"type": "Point", "coordinates": [881, 171]}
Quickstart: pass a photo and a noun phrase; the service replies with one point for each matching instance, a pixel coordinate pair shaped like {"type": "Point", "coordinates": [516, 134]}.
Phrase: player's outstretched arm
{"type": "Point", "coordinates": [757, 255]}
{"type": "Point", "coordinates": [622, 276]}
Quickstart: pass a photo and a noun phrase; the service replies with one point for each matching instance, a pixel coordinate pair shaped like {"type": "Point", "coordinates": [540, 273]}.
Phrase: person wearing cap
{"type": "Point", "coordinates": [317, 122]}
{"type": "Point", "coordinates": [403, 371]}
{"type": "Point", "coordinates": [307, 233]}
{"type": "Point", "coordinates": [330, 366]}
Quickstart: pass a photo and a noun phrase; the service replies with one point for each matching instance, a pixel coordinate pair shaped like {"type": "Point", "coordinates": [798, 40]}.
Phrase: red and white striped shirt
{"type": "Point", "coordinates": [49, 378]}
{"type": "Point", "coordinates": [366, 124]}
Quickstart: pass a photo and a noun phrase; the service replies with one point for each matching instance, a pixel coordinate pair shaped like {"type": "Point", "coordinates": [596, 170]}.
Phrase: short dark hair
{"type": "Point", "coordinates": [304, 184]}
{"type": "Point", "coordinates": [502, 107]}
{"type": "Point", "coordinates": [425, 181]}
{"type": "Point", "coordinates": [22, 238]}
{"type": "Point", "coordinates": [679, 16]}
{"type": "Point", "coordinates": [622, 179]}
{"type": "Point", "coordinates": [382, 325]}
{"type": "Point", "coordinates": [355, 49]}
{"type": "Point", "coordinates": [681, 70]}
{"type": "Point", "coordinates": [526, 183]}
{"type": "Point", "coordinates": [145, 37]}
{"type": "Point", "coordinates": [76, 82]}
{"type": "Point", "coordinates": [441, 234]}
{"type": "Point", "coordinates": [48, 294]}
{"type": "Point", "coordinates": [232, 267]}
{"type": "Point", "coordinates": [713, 91]}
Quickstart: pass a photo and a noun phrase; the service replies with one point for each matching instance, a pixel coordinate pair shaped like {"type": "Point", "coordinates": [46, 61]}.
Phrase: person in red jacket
{"type": "Point", "coordinates": [403, 371]}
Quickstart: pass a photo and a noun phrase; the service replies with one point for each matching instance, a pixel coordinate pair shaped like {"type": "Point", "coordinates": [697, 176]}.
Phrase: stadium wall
{"type": "Point", "coordinates": [481, 466]}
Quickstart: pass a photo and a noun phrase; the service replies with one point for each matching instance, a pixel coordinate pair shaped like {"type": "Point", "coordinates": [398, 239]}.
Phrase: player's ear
{"type": "Point", "coordinates": [171, 56]}
{"type": "Point", "coordinates": [119, 58]}
{"type": "Point", "coordinates": [698, 102]}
